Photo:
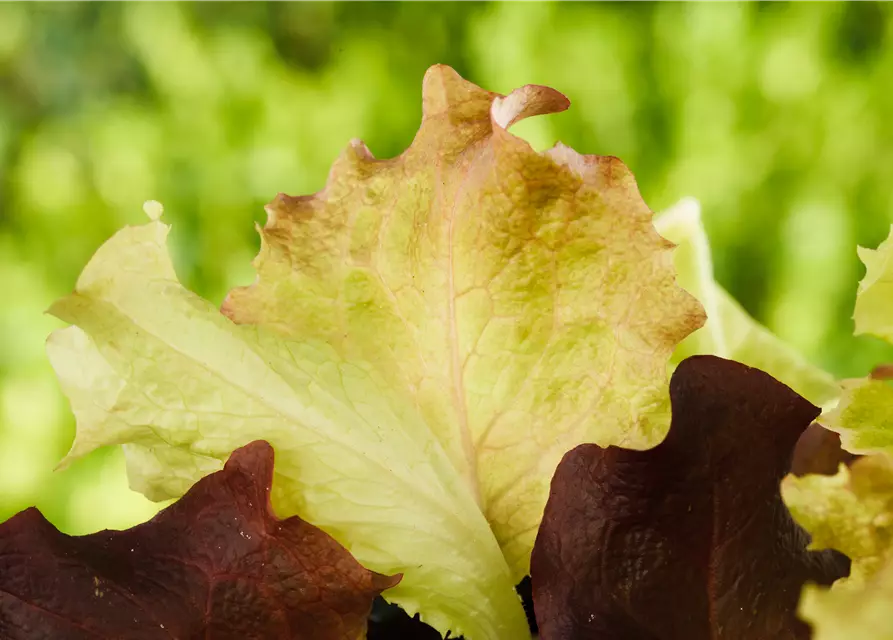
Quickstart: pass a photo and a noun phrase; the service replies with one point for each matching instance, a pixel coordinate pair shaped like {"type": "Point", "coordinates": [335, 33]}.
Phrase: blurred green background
{"type": "Point", "coordinates": [777, 117]}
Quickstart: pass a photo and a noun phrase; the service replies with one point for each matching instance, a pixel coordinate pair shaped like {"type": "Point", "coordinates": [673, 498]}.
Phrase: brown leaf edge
{"type": "Point", "coordinates": [216, 564]}
{"type": "Point", "coordinates": [689, 540]}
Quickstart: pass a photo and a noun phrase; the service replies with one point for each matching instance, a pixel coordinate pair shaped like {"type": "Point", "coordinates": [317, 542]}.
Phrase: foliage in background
{"type": "Point", "coordinates": [774, 116]}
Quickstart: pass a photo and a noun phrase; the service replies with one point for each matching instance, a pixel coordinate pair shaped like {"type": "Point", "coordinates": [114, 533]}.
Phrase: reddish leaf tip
{"type": "Point", "coordinates": [383, 582]}
{"type": "Point", "coordinates": [525, 102]}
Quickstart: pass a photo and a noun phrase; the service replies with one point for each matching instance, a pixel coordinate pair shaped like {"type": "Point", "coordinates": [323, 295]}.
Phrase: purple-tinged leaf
{"type": "Point", "coordinates": [689, 540]}
{"type": "Point", "coordinates": [216, 564]}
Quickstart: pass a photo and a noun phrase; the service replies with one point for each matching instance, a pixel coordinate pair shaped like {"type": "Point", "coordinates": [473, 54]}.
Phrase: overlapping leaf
{"type": "Point", "coordinates": [689, 540]}
{"type": "Point", "coordinates": [216, 564]}
{"type": "Point", "coordinates": [851, 614]}
{"type": "Point", "coordinates": [426, 337]}
{"type": "Point", "coordinates": [852, 512]}
{"type": "Point", "coordinates": [733, 334]}
{"type": "Point", "coordinates": [729, 331]}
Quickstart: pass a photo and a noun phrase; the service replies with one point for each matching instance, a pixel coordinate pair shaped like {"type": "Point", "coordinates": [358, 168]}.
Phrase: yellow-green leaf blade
{"type": "Point", "coordinates": [523, 300]}
{"type": "Point", "coordinates": [188, 386]}
{"type": "Point", "coordinates": [874, 299]}
{"type": "Point", "coordinates": [864, 416]}
{"type": "Point", "coordinates": [847, 614]}
{"type": "Point", "coordinates": [853, 513]}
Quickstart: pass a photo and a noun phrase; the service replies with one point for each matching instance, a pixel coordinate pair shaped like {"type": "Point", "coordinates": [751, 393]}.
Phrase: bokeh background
{"type": "Point", "coordinates": [777, 117]}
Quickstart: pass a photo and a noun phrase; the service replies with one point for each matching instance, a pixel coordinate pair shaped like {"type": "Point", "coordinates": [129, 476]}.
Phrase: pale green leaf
{"type": "Point", "coordinates": [853, 513]}
{"type": "Point", "coordinates": [857, 614]}
{"type": "Point", "coordinates": [729, 331]}
{"type": "Point", "coordinates": [864, 416]}
{"type": "Point", "coordinates": [874, 299]}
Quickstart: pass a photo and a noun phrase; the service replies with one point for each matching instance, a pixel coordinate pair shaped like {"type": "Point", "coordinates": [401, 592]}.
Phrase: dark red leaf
{"type": "Point", "coordinates": [689, 540]}
{"type": "Point", "coordinates": [215, 565]}
{"type": "Point", "coordinates": [818, 451]}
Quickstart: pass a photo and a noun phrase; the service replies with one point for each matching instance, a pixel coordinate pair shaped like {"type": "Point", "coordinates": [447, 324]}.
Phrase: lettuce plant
{"type": "Point", "coordinates": [426, 339]}
{"type": "Point", "coordinates": [853, 511]}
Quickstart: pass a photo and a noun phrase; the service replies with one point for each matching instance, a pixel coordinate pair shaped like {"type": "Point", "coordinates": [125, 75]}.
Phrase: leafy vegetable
{"type": "Point", "coordinates": [215, 564]}
{"type": "Point", "coordinates": [864, 416]}
{"type": "Point", "coordinates": [852, 512]}
{"type": "Point", "coordinates": [689, 540]}
{"type": "Point", "coordinates": [729, 331]}
{"type": "Point", "coordinates": [844, 614]}
{"type": "Point", "coordinates": [427, 336]}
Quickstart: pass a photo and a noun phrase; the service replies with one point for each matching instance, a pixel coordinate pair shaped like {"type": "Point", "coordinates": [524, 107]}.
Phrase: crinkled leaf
{"type": "Point", "coordinates": [851, 614]}
{"type": "Point", "coordinates": [853, 513]}
{"type": "Point", "coordinates": [874, 299]}
{"type": "Point", "coordinates": [864, 416]}
{"type": "Point", "coordinates": [689, 540]}
{"type": "Point", "coordinates": [426, 337]}
{"type": "Point", "coordinates": [216, 564]}
{"type": "Point", "coordinates": [729, 331]}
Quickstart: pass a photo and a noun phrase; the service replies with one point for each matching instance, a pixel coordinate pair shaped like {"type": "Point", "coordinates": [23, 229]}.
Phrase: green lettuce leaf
{"type": "Point", "coordinates": [852, 512]}
{"type": "Point", "coordinates": [729, 331]}
{"type": "Point", "coordinates": [426, 337]}
{"type": "Point", "coordinates": [864, 416]}
{"type": "Point", "coordinates": [874, 299]}
{"type": "Point", "coordinates": [860, 614]}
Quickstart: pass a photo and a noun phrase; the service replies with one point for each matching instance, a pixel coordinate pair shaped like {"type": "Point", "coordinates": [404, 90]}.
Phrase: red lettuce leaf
{"type": "Point", "coordinates": [216, 564]}
{"type": "Point", "coordinates": [819, 451]}
{"type": "Point", "coordinates": [689, 540]}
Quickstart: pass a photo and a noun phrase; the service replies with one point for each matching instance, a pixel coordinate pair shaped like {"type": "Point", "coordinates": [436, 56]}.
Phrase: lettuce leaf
{"type": "Point", "coordinates": [729, 331]}
{"type": "Point", "coordinates": [864, 416]}
{"type": "Point", "coordinates": [689, 540]}
{"type": "Point", "coordinates": [847, 614]}
{"type": "Point", "coordinates": [818, 451]}
{"type": "Point", "coordinates": [853, 510]}
{"type": "Point", "coordinates": [216, 564]}
{"type": "Point", "coordinates": [853, 513]}
{"type": "Point", "coordinates": [426, 337]}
